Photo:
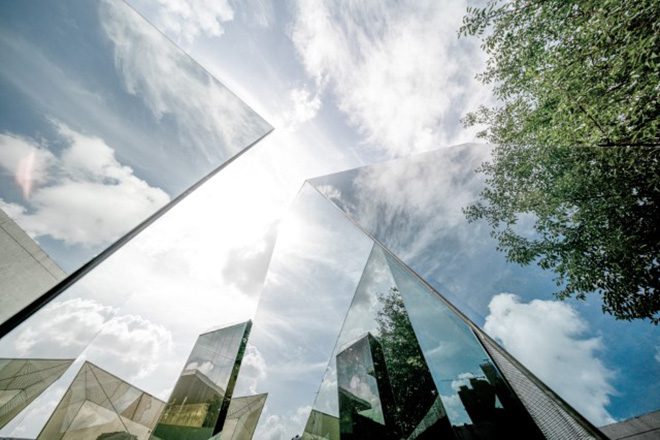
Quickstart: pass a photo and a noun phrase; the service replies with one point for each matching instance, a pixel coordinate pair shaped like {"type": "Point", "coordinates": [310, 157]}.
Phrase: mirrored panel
{"type": "Point", "coordinates": [313, 274]}
{"type": "Point", "coordinates": [415, 207]}
{"type": "Point", "coordinates": [23, 380]}
{"type": "Point", "coordinates": [200, 400]}
{"type": "Point", "coordinates": [479, 402]}
{"type": "Point", "coordinates": [385, 380]}
{"type": "Point", "coordinates": [103, 121]}
{"type": "Point", "coordinates": [99, 405]}
{"type": "Point", "coordinates": [242, 417]}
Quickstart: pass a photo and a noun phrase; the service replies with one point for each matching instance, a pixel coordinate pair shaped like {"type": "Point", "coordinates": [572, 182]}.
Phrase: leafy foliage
{"type": "Point", "coordinates": [576, 143]}
{"type": "Point", "coordinates": [410, 379]}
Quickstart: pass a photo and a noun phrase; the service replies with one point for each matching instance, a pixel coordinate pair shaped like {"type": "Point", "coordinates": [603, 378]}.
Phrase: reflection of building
{"type": "Point", "coordinates": [366, 406]}
{"type": "Point", "coordinates": [25, 269]}
{"type": "Point", "coordinates": [22, 380]}
{"type": "Point", "coordinates": [321, 426]}
{"type": "Point", "coordinates": [98, 405]}
{"type": "Point", "coordinates": [242, 417]}
{"type": "Point", "coordinates": [200, 401]}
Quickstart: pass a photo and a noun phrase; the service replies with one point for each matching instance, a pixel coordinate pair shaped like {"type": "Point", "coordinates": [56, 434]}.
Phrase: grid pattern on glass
{"type": "Point", "coordinates": [23, 380]}
{"type": "Point", "coordinates": [553, 420]}
{"type": "Point", "coordinates": [242, 417]}
{"type": "Point", "coordinates": [100, 405]}
{"type": "Point", "coordinates": [201, 397]}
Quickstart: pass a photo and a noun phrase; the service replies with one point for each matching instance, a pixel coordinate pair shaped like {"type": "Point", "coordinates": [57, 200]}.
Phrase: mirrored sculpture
{"type": "Point", "coordinates": [23, 380]}
{"type": "Point", "coordinates": [98, 405]}
{"type": "Point", "coordinates": [200, 401]}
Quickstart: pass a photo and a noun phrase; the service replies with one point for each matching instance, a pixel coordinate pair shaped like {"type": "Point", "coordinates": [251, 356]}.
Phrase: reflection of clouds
{"type": "Point", "coordinates": [127, 344]}
{"type": "Point", "coordinates": [282, 427]}
{"type": "Point", "coordinates": [204, 367]}
{"type": "Point", "coordinates": [209, 118]}
{"type": "Point", "coordinates": [69, 324]}
{"type": "Point", "coordinates": [83, 196]}
{"type": "Point", "coordinates": [547, 336]}
{"type": "Point", "coordinates": [397, 69]}
{"type": "Point", "coordinates": [455, 409]}
{"type": "Point", "coordinates": [326, 400]}
{"type": "Point", "coordinates": [185, 20]}
{"type": "Point", "coordinates": [461, 380]}
{"type": "Point", "coordinates": [253, 368]}
{"type": "Point", "coordinates": [131, 345]}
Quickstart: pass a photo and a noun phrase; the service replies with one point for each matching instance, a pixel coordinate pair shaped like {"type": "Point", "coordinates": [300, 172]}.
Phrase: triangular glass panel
{"type": "Point", "coordinates": [23, 380]}
{"type": "Point", "coordinates": [88, 411]}
{"type": "Point", "coordinates": [108, 124]}
{"type": "Point", "coordinates": [377, 384]}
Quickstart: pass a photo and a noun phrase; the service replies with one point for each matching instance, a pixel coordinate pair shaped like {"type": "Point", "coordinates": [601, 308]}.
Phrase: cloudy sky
{"type": "Point", "coordinates": [98, 102]}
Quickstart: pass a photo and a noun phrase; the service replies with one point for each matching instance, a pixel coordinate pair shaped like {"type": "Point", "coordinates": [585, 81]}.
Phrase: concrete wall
{"type": "Point", "coordinates": [25, 270]}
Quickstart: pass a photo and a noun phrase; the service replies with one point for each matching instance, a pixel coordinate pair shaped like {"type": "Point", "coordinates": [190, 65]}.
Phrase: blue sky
{"type": "Point", "coordinates": [344, 85]}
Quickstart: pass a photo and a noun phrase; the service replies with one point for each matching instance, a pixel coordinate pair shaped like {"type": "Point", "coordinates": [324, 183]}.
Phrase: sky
{"type": "Point", "coordinates": [343, 85]}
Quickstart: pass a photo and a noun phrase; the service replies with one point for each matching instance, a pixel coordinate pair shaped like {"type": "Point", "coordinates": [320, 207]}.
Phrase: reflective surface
{"type": "Point", "coordinates": [345, 342]}
{"type": "Point", "coordinates": [102, 122]}
{"type": "Point", "coordinates": [98, 405]}
{"type": "Point", "coordinates": [22, 380]}
{"type": "Point", "coordinates": [414, 207]}
{"type": "Point", "coordinates": [200, 400]}
{"type": "Point", "coordinates": [410, 376]}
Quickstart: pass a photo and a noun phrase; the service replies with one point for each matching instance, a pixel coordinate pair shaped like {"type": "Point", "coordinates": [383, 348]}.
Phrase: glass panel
{"type": "Point", "coordinates": [98, 405]}
{"type": "Point", "coordinates": [479, 403]}
{"type": "Point", "coordinates": [22, 380]}
{"type": "Point", "coordinates": [377, 384]}
{"type": "Point", "coordinates": [200, 400]}
{"type": "Point", "coordinates": [102, 122]}
{"type": "Point", "coordinates": [242, 418]}
{"type": "Point", "coordinates": [413, 206]}
{"type": "Point", "coordinates": [311, 279]}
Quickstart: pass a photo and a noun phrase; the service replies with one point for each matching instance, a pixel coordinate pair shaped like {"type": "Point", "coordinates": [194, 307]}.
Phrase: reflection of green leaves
{"type": "Point", "coordinates": [410, 379]}
{"type": "Point", "coordinates": [575, 132]}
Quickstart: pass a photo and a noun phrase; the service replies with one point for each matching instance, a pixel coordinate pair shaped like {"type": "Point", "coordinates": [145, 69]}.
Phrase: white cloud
{"type": "Point", "coordinates": [70, 324]}
{"type": "Point", "coordinates": [131, 345]}
{"type": "Point", "coordinates": [548, 337]}
{"type": "Point", "coordinates": [210, 120]}
{"type": "Point", "coordinates": [304, 107]}
{"type": "Point", "coordinates": [410, 203]}
{"type": "Point", "coordinates": [282, 427]}
{"type": "Point", "coordinates": [186, 20]}
{"type": "Point", "coordinates": [83, 196]}
{"type": "Point", "coordinates": [397, 69]}
{"type": "Point", "coordinates": [253, 369]}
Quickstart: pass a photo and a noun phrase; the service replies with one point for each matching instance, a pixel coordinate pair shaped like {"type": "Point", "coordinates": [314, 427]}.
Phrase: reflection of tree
{"type": "Point", "coordinates": [412, 385]}
{"type": "Point", "coordinates": [212, 412]}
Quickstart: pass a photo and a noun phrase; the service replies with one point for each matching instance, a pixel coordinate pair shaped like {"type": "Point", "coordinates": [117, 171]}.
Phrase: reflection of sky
{"type": "Point", "coordinates": [333, 87]}
{"type": "Point", "coordinates": [147, 120]}
{"type": "Point", "coordinates": [311, 280]}
{"type": "Point", "coordinates": [414, 205]}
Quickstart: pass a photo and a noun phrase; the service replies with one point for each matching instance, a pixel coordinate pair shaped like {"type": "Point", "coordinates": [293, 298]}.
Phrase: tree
{"type": "Point", "coordinates": [411, 381]}
{"type": "Point", "coordinates": [576, 144]}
